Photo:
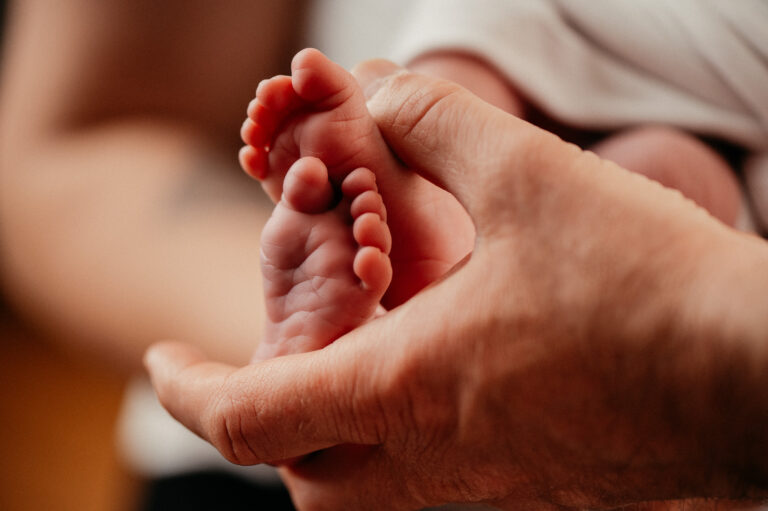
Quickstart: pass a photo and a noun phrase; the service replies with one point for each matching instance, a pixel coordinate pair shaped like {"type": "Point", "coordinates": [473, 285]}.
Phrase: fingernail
{"type": "Point", "coordinates": [373, 74]}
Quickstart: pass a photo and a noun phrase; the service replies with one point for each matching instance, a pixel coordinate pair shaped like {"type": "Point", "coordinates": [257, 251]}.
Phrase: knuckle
{"type": "Point", "coordinates": [415, 410]}
{"type": "Point", "coordinates": [354, 413]}
{"type": "Point", "coordinates": [216, 419]}
{"type": "Point", "coordinates": [419, 101]}
{"type": "Point", "coordinates": [233, 428]}
{"type": "Point", "coordinates": [370, 420]}
{"type": "Point", "coordinates": [423, 109]}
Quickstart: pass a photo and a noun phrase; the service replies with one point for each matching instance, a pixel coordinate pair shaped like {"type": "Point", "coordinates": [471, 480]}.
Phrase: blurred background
{"type": "Point", "coordinates": [58, 414]}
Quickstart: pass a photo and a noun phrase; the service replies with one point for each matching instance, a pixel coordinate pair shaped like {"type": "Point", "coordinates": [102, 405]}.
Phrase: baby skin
{"type": "Point", "coordinates": [326, 257]}
{"type": "Point", "coordinates": [320, 111]}
{"type": "Point", "coordinates": [324, 260]}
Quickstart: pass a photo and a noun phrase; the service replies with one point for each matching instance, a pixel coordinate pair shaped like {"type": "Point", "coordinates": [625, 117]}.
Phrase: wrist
{"type": "Point", "coordinates": [686, 368]}
{"type": "Point", "coordinates": [703, 371]}
{"type": "Point", "coordinates": [730, 313]}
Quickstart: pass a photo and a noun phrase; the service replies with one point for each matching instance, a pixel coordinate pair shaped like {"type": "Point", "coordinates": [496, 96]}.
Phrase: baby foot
{"type": "Point", "coordinates": [325, 265]}
{"type": "Point", "coordinates": [320, 111]}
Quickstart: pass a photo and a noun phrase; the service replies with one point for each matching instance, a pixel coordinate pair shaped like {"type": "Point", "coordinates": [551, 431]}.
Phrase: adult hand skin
{"type": "Point", "coordinates": [605, 343]}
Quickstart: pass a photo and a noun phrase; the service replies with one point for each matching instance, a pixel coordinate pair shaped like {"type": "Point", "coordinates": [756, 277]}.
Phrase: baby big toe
{"type": "Point", "coordinates": [318, 79]}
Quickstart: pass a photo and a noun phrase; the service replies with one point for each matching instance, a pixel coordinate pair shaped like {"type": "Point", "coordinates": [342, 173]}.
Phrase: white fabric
{"type": "Point", "coordinates": [701, 65]}
{"type": "Point", "coordinates": [350, 31]}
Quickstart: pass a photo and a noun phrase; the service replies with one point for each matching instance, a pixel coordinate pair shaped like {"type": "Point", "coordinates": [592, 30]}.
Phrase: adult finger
{"type": "Point", "coordinates": [439, 129]}
{"type": "Point", "coordinates": [270, 411]}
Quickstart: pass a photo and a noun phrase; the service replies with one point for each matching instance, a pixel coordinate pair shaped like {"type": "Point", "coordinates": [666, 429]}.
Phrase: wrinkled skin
{"type": "Point", "coordinates": [603, 345]}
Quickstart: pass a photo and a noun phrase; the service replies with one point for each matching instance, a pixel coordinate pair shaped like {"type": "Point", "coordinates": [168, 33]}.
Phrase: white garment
{"type": "Point", "coordinates": [701, 65]}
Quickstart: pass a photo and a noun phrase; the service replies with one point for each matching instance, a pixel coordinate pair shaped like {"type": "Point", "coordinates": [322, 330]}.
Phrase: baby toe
{"type": "Point", "coordinates": [254, 134]}
{"type": "Point", "coordinates": [368, 202]}
{"type": "Point", "coordinates": [253, 160]}
{"type": "Point", "coordinates": [277, 93]}
{"type": "Point", "coordinates": [358, 181]}
{"type": "Point", "coordinates": [319, 79]}
{"type": "Point", "coordinates": [373, 268]}
{"type": "Point", "coordinates": [369, 230]}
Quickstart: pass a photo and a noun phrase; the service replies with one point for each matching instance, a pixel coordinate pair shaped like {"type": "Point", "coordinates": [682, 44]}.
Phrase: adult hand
{"type": "Point", "coordinates": [603, 345]}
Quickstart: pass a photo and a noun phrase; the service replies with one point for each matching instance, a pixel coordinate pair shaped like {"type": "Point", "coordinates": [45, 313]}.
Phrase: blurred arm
{"type": "Point", "coordinates": [124, 217]}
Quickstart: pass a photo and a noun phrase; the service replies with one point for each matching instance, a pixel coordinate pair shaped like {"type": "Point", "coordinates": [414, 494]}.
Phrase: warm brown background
{"type": "Point", "coordinates": [57, 416]}
{"type": "Point", "coordinates": [57, 449]}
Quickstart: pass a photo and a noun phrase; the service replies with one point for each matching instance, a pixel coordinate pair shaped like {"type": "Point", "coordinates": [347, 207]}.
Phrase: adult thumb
{"type": "Point", "coordinates": [453, 138]}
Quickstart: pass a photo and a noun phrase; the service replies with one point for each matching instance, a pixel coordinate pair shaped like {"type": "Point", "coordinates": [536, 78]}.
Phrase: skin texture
{"type": "Point", "coordinates": [580, 358]}
{"type": "Point", "coordinates": [667, 155]}
{"type": "Point", "coordinates": [325, 265]}
{"type": "Point", "coordinates": [670, 156]}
